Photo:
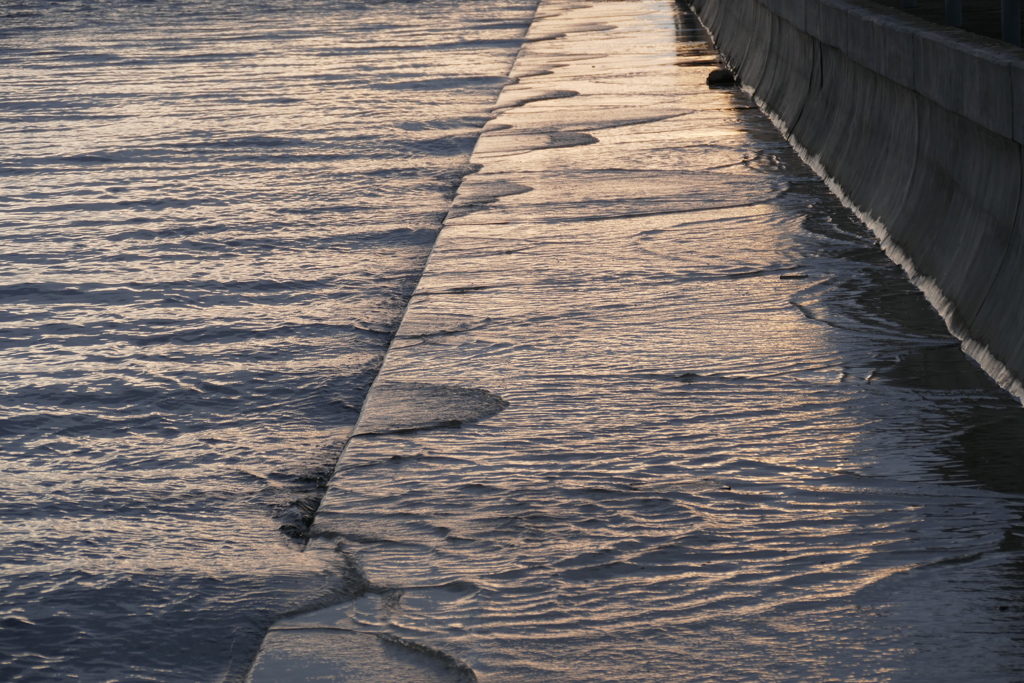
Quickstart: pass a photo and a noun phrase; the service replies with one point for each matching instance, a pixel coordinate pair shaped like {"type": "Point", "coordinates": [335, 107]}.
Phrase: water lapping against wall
{"type": "Point", "coordinates": [213, 214]}
{"type": "Point", "coordinates": [709, 431]}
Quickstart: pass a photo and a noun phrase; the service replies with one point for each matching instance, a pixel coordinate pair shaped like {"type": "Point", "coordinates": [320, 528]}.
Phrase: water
{"type": "Point", "coordinates": [735, 443]}
{"type": "Point", "coordinates": [213, 215]}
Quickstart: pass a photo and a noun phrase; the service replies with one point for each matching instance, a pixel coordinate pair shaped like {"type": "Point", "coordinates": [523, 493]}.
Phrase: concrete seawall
{"type": "Point", "coordinates": [920, 128]}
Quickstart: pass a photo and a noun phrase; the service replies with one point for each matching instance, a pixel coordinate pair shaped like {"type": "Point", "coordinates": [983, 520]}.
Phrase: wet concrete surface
{"type": "Point", "coordinates": [734, 442]}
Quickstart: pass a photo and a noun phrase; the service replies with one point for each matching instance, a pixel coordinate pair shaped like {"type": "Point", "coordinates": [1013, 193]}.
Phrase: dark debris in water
{"type": "Point", "coordinates": [297, 518]}
{"type": "Point", "coordinates": [721, 78]}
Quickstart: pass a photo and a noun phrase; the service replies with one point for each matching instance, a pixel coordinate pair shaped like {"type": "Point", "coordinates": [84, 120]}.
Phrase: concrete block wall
{"type": "Point", "coordinates": [920, 125]}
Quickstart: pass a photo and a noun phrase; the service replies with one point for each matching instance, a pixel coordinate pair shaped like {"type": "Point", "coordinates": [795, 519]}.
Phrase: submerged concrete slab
{"type": "Point", "coordinates": [635, 424]}
{"type": "Point", "coordinates": [339, 656]}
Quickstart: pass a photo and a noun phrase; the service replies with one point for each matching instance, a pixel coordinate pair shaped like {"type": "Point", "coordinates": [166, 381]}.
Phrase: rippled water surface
{"type": "Point", "coordinates": [710, 432]}
{"type": "Point", "coordinates": [213, 214]}
{"type": "Point", "coordinates": [733, 442]}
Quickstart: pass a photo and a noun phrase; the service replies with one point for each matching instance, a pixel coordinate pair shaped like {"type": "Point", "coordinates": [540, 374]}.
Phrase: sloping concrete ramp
{"type": "Point", "coordinates": [650, 415]}
{"type": "Point", "coordinates": [920, 127]}
{"type": "Point", "coordinates": [347, 656]}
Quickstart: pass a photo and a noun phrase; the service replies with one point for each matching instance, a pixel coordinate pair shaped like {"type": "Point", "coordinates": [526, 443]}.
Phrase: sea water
{"type": "Point", "coordinates": [707, 430]}
{"type": "Point", "coordinates": [213, 214]}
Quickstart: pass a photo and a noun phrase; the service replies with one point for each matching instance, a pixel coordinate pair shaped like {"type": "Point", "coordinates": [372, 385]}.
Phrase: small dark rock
{"type": "Point", "coordinates": [721, 77]}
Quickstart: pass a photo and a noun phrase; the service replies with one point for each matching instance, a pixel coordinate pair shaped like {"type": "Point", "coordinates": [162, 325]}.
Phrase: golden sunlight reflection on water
{"type": "Point", "coordinates": [726, 455]}
{"type": "Point", "coordinates": [213, 215]}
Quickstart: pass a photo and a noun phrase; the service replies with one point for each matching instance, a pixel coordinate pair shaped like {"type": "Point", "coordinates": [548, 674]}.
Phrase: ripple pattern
{"type": "Point", "coordinates": [738, 444]}
{"type": "Point", "coordinates": [213, 215]}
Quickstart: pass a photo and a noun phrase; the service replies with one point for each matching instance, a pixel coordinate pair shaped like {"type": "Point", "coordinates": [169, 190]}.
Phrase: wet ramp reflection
{"type": "Point", "coordinates": [738, 444]}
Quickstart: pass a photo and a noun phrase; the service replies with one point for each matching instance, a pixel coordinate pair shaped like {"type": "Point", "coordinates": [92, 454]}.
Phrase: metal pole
{"type": "Point", "coordinates": [954, 13]}
{"type": "Point", "coordinates": [1011, 21]}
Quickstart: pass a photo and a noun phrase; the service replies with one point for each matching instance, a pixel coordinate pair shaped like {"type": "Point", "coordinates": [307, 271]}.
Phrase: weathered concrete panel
{"type": "Point", "coordinates": [972, 81]}
{"type": "Point", "coordinates": [961, 207]}
{"type": "Point", "coordinates": [995, 319]}
{"type": "Point", "coordinates": [899, 59]}
{"type": "Point", "coordinates": [791, 11]}
{"type": "Point", "coordinates": [791, 70]}
{"type": "Point", "coordinates": [865, 43]}
{"type": "Point", "coordinates": [754, 58]}
{"type": "Point", "coordinates": [832, 25]}
{"type": "Point", "coordinates": [1017, 97]}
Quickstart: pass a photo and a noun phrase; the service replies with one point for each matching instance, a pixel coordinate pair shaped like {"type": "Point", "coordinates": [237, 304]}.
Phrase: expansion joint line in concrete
{"type": "Point", "coordinates": [416, 290]}
{"type": "Point", "coordinates": [465, 673]}
{"type": "Point", "coordinates": [578, 164]}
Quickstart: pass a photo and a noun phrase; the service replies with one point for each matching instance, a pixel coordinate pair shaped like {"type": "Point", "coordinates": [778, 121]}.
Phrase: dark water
{"type": "Point", "coordinates": [213, 214]}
